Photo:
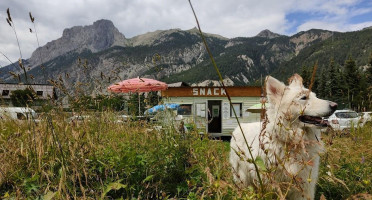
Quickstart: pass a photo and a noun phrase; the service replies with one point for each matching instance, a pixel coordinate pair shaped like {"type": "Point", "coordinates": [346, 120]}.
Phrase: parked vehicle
{"type": "Point", "coordinates": [17, 113]}
{"type": "Point", "coordinates": [365, 117]}
{"type": "Point", "coordinates": [343, 119]}
{"type": "Point", "coordinates": [325, 129]}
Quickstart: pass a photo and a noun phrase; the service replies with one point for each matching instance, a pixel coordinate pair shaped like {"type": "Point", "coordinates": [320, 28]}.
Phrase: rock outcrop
{"type": "Point", "coordinates": [97, 37]}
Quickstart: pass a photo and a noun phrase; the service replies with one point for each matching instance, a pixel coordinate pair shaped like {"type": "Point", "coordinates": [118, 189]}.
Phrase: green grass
{"type": "Point", "coordinates": [100, 159]}
{"type": "Point", "coordinates": [346, 167]}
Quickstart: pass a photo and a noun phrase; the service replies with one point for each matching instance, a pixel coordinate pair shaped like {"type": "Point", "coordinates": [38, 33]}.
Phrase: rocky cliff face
{"type": "Point", "coordinates": [305, 39]}
{"type": "Point", "coordinates": [97, 37]}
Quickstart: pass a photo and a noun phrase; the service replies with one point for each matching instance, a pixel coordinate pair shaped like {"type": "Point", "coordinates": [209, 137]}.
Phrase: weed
{"type": "Point", "coordinates": [102, 158]}
{"type": "Point", "coordinates": [346, 168]}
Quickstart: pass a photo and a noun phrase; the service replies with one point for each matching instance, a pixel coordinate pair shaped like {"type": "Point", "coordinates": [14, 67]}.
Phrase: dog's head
{"type": "Point", "coordinates": [295, 103]}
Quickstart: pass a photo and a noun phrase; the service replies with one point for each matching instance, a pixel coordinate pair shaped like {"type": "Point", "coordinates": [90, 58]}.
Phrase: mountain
{"type": "Point", "coordinates": [161, 36]}
{"type": "Point", "coordinates": [246, 60]}
{"type": "Point", "coordinates": [97, 37]}
{"type": "Point", "coordinates": [93, 67]}
{"type": "Point", "coordinates": [339, 46]}
{"type": "Point", "coordinates": [89, 58]}
{"type": "Point", "coordinates": [267, 34]}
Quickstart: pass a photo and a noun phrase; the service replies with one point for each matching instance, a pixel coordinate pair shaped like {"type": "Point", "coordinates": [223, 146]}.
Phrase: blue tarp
{"type": "Point", "coordinates": [157, 108]}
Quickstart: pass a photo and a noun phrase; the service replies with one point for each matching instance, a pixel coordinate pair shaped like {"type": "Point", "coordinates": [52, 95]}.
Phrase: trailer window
{"type": "Point", "coordinates": [39, 93]}
{"type": "Point", "coordinates": [21, 116]}
{"type": "Point", "coordinates": [238, 109]}
{"type": "Point", "coordinates": [184, 109]}
{"type": "Point", "coordinates": [5, 93]}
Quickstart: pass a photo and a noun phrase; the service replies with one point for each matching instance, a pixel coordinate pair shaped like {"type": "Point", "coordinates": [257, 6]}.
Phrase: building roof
{"type": "Point", "coordinates": [25, 84]}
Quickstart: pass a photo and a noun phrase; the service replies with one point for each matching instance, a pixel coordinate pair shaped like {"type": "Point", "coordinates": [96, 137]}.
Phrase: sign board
{"type": "Point", "coordinates": [215, 110]}
{"type": "Point", "coordinates": [234, 91]}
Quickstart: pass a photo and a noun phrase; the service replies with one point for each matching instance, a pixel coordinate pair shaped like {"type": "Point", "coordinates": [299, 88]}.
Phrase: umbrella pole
{"type": "Point", "coordinates": [139, 104]}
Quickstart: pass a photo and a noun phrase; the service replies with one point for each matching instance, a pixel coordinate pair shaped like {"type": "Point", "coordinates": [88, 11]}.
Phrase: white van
{"type": "Point", "coordinates": [17, 113]}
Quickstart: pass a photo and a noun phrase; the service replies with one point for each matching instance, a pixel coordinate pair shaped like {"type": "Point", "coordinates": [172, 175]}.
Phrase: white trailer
{"type": "Point", "coordinates": [209, 107]}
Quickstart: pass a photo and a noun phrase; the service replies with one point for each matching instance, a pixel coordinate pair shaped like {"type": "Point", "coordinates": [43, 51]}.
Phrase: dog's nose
{"type": "Point", "coordinates": [333, 106]}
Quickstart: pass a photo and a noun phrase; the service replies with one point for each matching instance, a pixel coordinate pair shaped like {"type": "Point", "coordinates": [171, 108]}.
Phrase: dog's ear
{"type": "Point", "coordinates": [295, 80]}
{"type": "Point", "coordinates": [274, 89]}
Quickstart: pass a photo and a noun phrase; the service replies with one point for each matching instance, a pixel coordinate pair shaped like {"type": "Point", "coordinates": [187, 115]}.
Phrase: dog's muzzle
{"type": "Point", "coordinates": [319, 121]}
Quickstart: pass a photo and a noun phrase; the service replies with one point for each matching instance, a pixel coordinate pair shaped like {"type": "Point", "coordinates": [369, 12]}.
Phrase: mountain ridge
{"type": "Point", "coordinates": [100, 55]}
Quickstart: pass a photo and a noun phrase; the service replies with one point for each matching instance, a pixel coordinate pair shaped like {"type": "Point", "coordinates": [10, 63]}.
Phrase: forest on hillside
{"type": "Point", "coordinates": [348, 85]}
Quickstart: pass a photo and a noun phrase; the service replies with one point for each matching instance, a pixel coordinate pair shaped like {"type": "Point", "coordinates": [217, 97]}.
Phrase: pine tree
{"type": "Point", "coordinates": [335, 86]}
{"type": "Point", "coordinates": [329, 87]}
{"type": "Point", "coordinates": [369, 83]}
{"type": "Point", "coordinates": [321, 87]}
{"type": "Point", "coordinates": [369, 71]}
{"type": "Point", "coordinates": [362, 97]}
{"type": "Point", "coordinates": [352, 78]}
{"type": "Point", "coordinates": [306, 76]}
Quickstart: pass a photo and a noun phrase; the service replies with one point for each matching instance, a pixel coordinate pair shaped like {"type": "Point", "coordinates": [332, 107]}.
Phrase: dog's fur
{"type": "Point", "coordinates": [288, 146]}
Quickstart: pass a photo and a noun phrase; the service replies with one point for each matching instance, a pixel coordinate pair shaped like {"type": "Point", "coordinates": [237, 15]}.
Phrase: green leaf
{"type": "Point", "coordinates": [49, 195]}
{"type": "Point", "coordinates": [6, 195]}
{"type": "Point", "coordinates": [113, 186]}
{"type": "Point", "coordinates": [149, 178]}
{"type": "Point", "coordinates": [260, 164]}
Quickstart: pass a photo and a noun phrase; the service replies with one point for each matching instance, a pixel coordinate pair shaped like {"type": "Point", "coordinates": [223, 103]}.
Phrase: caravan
{"type": "Point", "coordinates": [209, 108]}
{"type": "Point", "coordinates": [17, 113]}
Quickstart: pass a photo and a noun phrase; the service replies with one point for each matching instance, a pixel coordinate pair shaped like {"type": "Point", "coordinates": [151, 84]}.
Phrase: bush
{"type": "Point", "coordinates": [22, 98]}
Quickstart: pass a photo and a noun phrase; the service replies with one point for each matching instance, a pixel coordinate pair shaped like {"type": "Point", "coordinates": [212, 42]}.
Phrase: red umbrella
{"type": "Point", "coordinates": [138, 85]}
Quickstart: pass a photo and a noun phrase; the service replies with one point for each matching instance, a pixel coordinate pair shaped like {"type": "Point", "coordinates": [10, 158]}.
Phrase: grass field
{"type": "Point", "coordinates": [101, 159]}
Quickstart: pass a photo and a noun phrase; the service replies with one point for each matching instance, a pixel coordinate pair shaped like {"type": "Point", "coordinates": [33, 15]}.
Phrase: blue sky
{"type": "Point", "coordinates": [343, 15]}
{"type": "Point", "coordinates": [298, 18]}
{"type": "Point", "coordinates": [234, 18]}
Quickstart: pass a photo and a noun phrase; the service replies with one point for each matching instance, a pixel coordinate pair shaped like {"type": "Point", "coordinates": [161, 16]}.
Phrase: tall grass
{"type": "Point", "coordinates": [346, 167]}
{"type": "Point", "coordinates": [99, 158]}
{"type": "Point", "coordinates": [105, 159]}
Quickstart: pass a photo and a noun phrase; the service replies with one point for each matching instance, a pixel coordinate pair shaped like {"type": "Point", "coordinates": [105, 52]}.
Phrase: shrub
{"type": "Point", "coordinates": [22, 98]}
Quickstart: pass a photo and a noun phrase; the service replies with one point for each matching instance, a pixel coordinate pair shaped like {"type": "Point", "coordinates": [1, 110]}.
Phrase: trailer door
{"type": "Point", "coordinates": [214, 116]}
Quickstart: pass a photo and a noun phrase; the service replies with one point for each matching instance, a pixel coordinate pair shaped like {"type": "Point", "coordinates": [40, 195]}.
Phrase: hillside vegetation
{"type": "Point", "coordinates": [339, 47]}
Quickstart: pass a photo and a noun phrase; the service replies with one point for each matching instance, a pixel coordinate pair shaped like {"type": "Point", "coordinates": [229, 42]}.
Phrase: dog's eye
{"type": "Point", "coordinates": [304, 98]}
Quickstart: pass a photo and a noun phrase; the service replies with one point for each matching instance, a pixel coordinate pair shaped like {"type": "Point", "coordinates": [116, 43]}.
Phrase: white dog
{"type": "Point", "coordinates": [288, 142]}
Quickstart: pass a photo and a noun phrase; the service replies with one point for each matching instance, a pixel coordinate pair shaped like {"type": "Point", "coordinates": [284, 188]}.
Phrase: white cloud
{"type": "Point", "coordinates": [359, 26]}
{"type": "Point", "coordinates": [319, 25]}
